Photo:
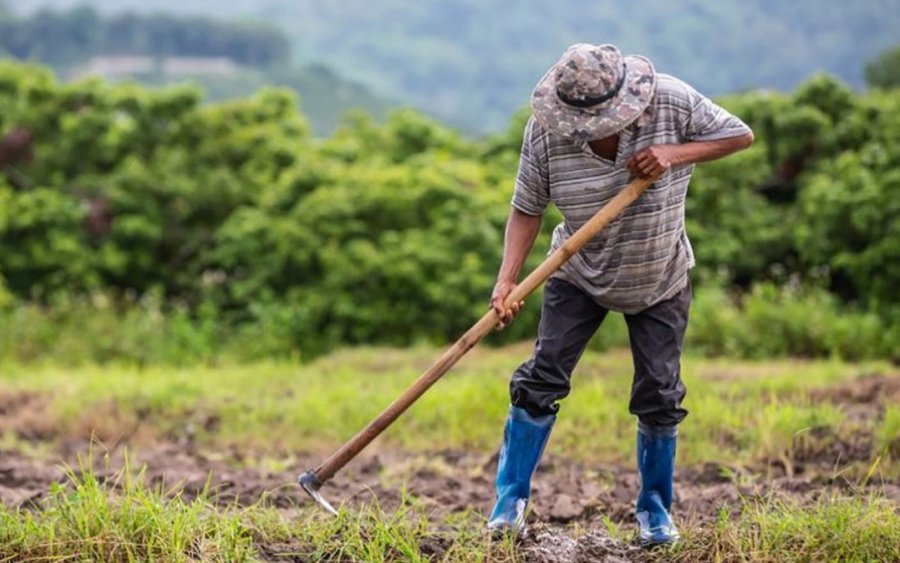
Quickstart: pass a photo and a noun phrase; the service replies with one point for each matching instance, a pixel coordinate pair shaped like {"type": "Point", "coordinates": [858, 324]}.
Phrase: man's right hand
{"type": "Point", "coordinates": [501, 291]}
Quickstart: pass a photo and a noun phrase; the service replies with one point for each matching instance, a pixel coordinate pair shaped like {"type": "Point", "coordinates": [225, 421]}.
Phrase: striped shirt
{"type": "Point", "coordinates": [643, 256]}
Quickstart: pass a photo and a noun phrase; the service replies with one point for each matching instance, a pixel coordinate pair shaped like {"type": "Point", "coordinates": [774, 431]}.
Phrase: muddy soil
{"type": "Point", "coordinates": [567, 495]}
{"type": "Point", "coordinates": [443, 482]}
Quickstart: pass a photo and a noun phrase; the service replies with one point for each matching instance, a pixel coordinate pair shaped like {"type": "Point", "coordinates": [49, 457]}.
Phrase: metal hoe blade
{"type": "Point", "coordinates": [311, 485]}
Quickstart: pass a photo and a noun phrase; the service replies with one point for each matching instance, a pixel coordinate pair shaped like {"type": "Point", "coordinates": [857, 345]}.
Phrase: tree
{"type": "Point", "coordinates": [392, 233]}
{"type": "Point", "coordinates": [884, 71]}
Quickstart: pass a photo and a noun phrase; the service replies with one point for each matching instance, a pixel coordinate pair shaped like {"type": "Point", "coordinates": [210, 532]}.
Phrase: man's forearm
{"type": "Point", "coordinates": [704, 151]}
{"type": "Point", "coordinates": [656, 158]}
{"type": "Point", "coordinates": [521, 230]}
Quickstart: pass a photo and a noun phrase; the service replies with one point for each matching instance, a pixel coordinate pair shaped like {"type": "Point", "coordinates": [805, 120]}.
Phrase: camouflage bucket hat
{"type": "Point", "coordinates": [593, 91]}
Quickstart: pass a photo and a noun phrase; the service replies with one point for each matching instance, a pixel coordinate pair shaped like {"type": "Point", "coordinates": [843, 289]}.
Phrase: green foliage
{"type": "Point", "coordinates": [347, 308]}
{"type": "Point", "coordinates": [392, 233]}
{"type": "Point", "coordinates": [884, 71]}
{"type": "Point", "coordinates": [97, 329]}
{"type": "Point", "coordinates": [815, 197]}
{"type": "Point", "coordinates": [734, 229]}
{"type": "Point", "coordinates": [849, 218]}
{"type": "Point", "coordinates": [773, 321]}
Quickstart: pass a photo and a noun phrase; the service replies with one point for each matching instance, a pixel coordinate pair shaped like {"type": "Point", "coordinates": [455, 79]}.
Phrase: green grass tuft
{"type": "Point", "coordinates": [90, 519]}
{"type": "Point", "coordinates": [774, 529]}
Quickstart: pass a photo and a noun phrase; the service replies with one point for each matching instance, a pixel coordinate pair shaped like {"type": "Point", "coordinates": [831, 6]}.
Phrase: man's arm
{"type": "Point", "coordinates": [530, 198]}
{"type": "Point", "coordinates": [521, 230]}
{"type": "Point", "coordinates": [657, 158]}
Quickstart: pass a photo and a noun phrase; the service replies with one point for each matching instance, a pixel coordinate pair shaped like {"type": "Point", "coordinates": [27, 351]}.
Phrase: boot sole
{"type": "Point", "coordinates": [501, 533]}
{"type": "Point", "coordinates": [657, 544]}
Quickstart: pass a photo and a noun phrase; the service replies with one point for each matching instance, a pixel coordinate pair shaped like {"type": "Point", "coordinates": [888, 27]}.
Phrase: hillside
{"type": "Point", "coordinates": [325, 97]}
{"type": "Point", "coordinates": [228, 58]}
{"type": "Point", "coordinates": [472, 63]}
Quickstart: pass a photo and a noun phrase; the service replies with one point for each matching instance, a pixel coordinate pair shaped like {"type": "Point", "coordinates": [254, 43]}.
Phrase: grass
{"type": "Point", "coordinates": [740, 411]}
{"type": "Point", "coordinates": [87, 519]}
{"type": "Point", "coordinates": [122, 520]}
{"type": "Point", "coordinates": [743, 414]}
{"type": "Point", "coordinates": [125, 520]}
{"type": "Point", "coordinates": [835, 528]}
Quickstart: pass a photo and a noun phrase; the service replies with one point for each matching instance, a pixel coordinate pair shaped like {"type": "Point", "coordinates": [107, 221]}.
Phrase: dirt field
{"type": "Point", "coordinates": [575, 503]}
{"type": "Point", "coordinates": [567, 495]}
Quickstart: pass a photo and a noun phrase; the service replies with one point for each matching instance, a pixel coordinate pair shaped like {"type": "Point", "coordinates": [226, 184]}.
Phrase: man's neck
{"type": "Point", "coordinates": [606, 147]}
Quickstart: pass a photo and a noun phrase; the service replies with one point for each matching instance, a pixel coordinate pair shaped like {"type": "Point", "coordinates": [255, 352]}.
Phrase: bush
{"type": "Point", "coordinates": [773, 321]}
{"type": "Point", "coordinates": [770, 321]}
{"type": "Point", "coordinates": [198, 220]}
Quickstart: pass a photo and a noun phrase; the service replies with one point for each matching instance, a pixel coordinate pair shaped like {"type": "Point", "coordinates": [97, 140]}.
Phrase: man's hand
{"type": "Point", "coordinates": [501, 291]}
{"type": "Point", "coordinates": [521, 230]}
{"type": "Point", "coordinates": [653, 160]}
{"type": "Point", "coordinates": [656, 159]}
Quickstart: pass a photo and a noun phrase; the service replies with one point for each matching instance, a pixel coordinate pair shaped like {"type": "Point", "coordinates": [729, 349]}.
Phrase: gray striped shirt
{"type": "Point", "coordinates": [642, 257]}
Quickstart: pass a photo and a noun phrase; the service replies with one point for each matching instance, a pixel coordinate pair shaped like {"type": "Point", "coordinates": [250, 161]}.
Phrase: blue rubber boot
{"type": "Point", "coordinates": [656, 463]}
{"type": "Point", "coordinates": [524, 438]}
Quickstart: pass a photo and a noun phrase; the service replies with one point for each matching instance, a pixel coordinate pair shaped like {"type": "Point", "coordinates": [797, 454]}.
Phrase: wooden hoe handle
{"type": "Point", "coordinates": [576, 242]}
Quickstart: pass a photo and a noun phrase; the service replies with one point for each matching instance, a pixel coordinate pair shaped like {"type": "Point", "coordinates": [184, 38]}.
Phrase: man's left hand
{"type": "Point", "coordinates": [653, 160]}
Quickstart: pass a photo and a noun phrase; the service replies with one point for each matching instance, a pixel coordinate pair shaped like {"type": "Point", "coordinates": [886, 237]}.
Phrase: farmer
{"type": "Point", "coordinates": [598, 118]}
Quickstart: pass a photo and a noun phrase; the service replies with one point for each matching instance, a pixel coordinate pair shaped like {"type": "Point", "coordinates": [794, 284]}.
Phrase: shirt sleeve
{"type": "Point", "coordinates": [532, 191]}
{"type": "Point", "coordinates": [706, 121]}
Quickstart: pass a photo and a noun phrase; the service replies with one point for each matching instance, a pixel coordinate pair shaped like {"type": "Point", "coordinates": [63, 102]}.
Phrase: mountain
{"type": "Point", "coordinates": [227, 57]}
{"type": "Point", "coordinates": [473, 62]}
{"type": "Point", "coordinates": [324, 96]}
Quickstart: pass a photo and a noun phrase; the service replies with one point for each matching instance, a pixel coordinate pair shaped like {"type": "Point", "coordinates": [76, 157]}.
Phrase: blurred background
{"type": "Point", "coordinates": [189, 180]}
{"type": "Point", "coordinates": [468, 63]}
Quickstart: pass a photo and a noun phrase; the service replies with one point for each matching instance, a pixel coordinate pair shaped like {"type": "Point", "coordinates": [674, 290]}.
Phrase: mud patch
{"type": "Point", "coordinates": [442, 482]}
{"type": "Point", "coordinates": [863, 400]}
{"type": "Point", "coordinates": [291, 551]}
{"type": "Point", "coordinates": [108, 423]}
{"type": "Point", "coordinates": [866, 393]}
{"type": "Point", "coordinates": [27, 415]}
{"type": "Point", "coordinates": [569, 498]}
{"type": "Point", "coordinates": [551, 545]}
{"type": "Point", "coordinates": [823, 446]}
{"type": "Point", "coordinates": [23, 481]}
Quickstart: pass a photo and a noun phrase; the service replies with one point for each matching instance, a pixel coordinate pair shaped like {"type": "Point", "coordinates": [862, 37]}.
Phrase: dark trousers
{"type": "Point", "coordinates": [569, 318]}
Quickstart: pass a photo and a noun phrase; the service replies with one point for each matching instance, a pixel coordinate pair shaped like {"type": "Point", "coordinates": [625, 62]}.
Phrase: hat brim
{"type": "Point", "coordinates": [602, 120]}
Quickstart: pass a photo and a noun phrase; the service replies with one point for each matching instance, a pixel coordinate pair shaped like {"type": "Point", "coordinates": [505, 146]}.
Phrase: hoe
{"type": "Point", "coordinates": [312, 480]}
